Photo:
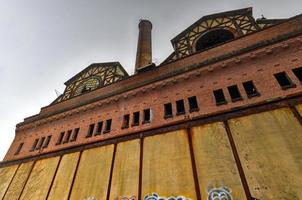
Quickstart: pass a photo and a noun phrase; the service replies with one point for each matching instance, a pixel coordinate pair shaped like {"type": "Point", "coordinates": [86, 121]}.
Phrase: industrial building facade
{"type": "Point", "coordinates": [219, 119]}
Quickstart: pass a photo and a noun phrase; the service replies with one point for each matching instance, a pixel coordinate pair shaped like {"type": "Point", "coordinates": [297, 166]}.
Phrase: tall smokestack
{"type": "Point", "coordinates": [144, 46]}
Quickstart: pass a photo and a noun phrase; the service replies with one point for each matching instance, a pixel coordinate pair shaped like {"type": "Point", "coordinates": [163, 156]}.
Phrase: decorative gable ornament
{"type": "Point", "coordinates": [155, 196]}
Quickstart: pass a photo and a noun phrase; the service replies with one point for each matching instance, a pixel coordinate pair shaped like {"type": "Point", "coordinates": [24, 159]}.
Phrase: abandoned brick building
{"type": "Point", "coordinates": [219, 119]}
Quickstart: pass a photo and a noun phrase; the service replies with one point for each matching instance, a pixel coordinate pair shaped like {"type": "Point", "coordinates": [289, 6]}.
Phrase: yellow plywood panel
{"type": "Point", "coordinates": [63, 180]}
{"type": "Point", "coordinates": [15, 188]}
{"type": "Point", "coordinates": [92, 177]}
{"type": "Point", "coordinates": [269, 146]}
{"type": "Point", "coordinates": [126, 170]}
{"type": "Point", "coordinates": [6, 175]}
{"type": "Point", "coordinates": [167, 168]}
{"type": "Point", "coordinates": [299, 108]}
{"type": "Point", "coordinates": [40, 179]}
{"type": "Point", "coordinates": [215, 162]}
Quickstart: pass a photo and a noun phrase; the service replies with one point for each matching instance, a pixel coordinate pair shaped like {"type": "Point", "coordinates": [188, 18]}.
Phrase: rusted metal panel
{"type": "Point", "coordinates": [19, 181]}
{"type": "Point", "coordinates": [63, 180]}
{"type": "Point", "coordinates": [40, 179]}
{"type": "Point", "coordinates": [215, 163]}
{"type": "Point", "coordinates": [167, 168]}
{"type": "Point", "coordinates": [92, 176]}
{"type": "Point", "coordinates": [126, 170]}
{"type": "Point", "coordinates": [269, 146]}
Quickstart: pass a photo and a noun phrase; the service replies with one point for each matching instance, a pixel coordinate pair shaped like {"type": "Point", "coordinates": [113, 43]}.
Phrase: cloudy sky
{"type": "Point", "coordinates": [44, 43]}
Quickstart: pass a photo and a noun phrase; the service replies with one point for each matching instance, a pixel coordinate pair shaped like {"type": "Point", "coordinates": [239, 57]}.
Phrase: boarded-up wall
{"type": "Point", "coordinates": [270, 145]}
{"type": "Point", "coordinates": [6, 175]}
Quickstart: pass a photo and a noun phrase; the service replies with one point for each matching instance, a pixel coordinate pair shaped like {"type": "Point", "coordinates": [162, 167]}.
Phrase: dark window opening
{"type": "Point", "coordinates": [90, 130]}
{"type": "Point", "coordinates": [75, 135]}
{"type": "Point", "coordinates": [19, 148]}
{"type": "Point", "coordinates": [213, 38]}
{"type": "Point", "coordinates": [147, 116]}
{"type": "Point", "coordinates": [135, 120]}
{"type": "Point", "coordinates": [126, 121]}
{"type": "Point", "coordinates": [67, 137]}
{"type": "Point", "coordinates": [193, 105]}
{"type": "Point", "coordinates": [168, 110]}
{"type": "Point", "coordinates": [298, 73]}
{"type": "Point", "coordinates": [180, 107]}
{"type": "Point", "coordinates": [60, 139]}
{"type": "Point", "coordinates": [234, 93]}
{"type": "Point", "coordinates": [34, 145]}
{"type": "Point", "coordinates": [99, 128]}
{"type": "Point", "coordinates": [219, 97]}
{"type": "Point", "coordinates": [250, 89]}
{"type": "Point", "coordinates": [41, 141]}
{"type": "Point", "coordinates": [47, 141]}
{"type": "Point", "coordinates": [108, 126]}
{"type": "Point", "coordinates": [284, 80]}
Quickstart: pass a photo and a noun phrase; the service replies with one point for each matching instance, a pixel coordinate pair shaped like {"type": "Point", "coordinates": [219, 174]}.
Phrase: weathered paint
{"type": "Point", "coordinates": [15, 188]}
{"type": "Point", "coordinates": [215, 162]}
{"type": "Point", "coordinates": [269, 146]}
{"type": "Point", "coordinates": [126, 170]}
{"type": "Point", "coordinates": [40, 179]}
{"type": "Point", "coordinates": [6, 175]}
{"type": "Point", "coordinates": [92, 177]}
{"type": "Point", "coordinates": [167, 168]}
{"type": "Point", "coordinates": [63, 180]}
{"type": "Point", "coordinates": [299, 108]}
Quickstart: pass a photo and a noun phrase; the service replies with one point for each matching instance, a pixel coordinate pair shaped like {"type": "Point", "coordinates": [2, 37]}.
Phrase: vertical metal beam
{"type": "Point", "coordinates": [295, 112]}
{"type": "Point", "coordinates": [111, 171]}
{"type": "Point", "coordinates": [193, 162]}
{"type": "Point", "coordinates": [238, 163]}
{"type": "Point", "coordinates": [27, 179]}
{"type": "Point", "coordinates": [54, 176]}
{"type": "Point", "coordinates": [74, 175]}
{"type": "Point", "coordinates": [140, 168]}
{"type": "Point", "coordinates": [11, 180]}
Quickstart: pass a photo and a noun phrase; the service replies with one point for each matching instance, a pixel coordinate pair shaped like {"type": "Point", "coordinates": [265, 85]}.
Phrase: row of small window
{"type": "Point", "coordinates": [70, 136]}
{"type": "Point", "coordinates": [99, 130]}
{"type": "Point", "coordinates": [136, 118]}
{"type": "Point", "coordinates": [285, 82]}
{"type": "Point", "coordinates": [180, 107]}
{"type": "Point", "coordinates": [41, 143]}
{"type": "Point", "coordinates": [234, 92]}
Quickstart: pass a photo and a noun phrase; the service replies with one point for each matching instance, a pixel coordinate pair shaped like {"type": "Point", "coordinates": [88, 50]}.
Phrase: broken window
{"type": "Point", "coordinates": [147, 116]}
{"type": "Point", "coordinates": [47, 141]}
{"type": "Point", "coordinates": [234, 93]}
{"type": "Point", "coordinates": [135, 120]}
{"type": "Point", "coordinates": [180, 107]}
{"type": "Point", "coordinates": [108, 126]}
{"type": "Point", "coordinates": [193, 105]}
{"type": "Point", "coordinates": [67, 137]}
{"type": "Point", "coordinates": [99, 128]}
{"type": "Point", "coordinates": [90, 130]}
{"type": "Point", "coordinates": [219, 97]}
{"type": "Point", "coordinates": [75, 134]}
{"type": "Point", "coordinates": [60, 139]}
{"type": "Point", "coordinates": [41, 141]}
{"type": "Point", "coordinates": [284, 80]}
{"type": "Point", "coordinates": [126, 121]}
{"type": "Point", "coordinates": [19, 148]}
{"type": "Point", "coordinates": [168, 110]}
{"type": "Point", "coordinates": [250, 89]}
{"type": "Point", "coordinates": [298, 73]}
{"type": "Point", "coordinates": [34, 145]}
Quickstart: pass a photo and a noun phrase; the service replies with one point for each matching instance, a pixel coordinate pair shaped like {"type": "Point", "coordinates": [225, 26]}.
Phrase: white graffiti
{"type": "Point", "coordinates": [221, 193]}
{"type": "Point", "coordinates": [130, 198]}
{"type": "Point", "coordinates": [90, 198]}
{"type": "Point", "coordinates": [155, 196]}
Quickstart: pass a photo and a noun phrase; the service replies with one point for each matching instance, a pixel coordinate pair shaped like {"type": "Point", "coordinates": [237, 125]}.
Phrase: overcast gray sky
{"type": "Point", "coordinates": [44, 43]}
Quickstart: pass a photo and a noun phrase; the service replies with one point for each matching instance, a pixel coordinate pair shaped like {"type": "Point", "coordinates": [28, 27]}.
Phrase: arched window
{"type": "Point", "coordinates": [213, 38]}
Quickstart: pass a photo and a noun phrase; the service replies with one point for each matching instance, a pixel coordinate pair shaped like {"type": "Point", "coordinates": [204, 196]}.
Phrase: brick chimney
{"type": "Point", "coordinates": [144, 46]}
